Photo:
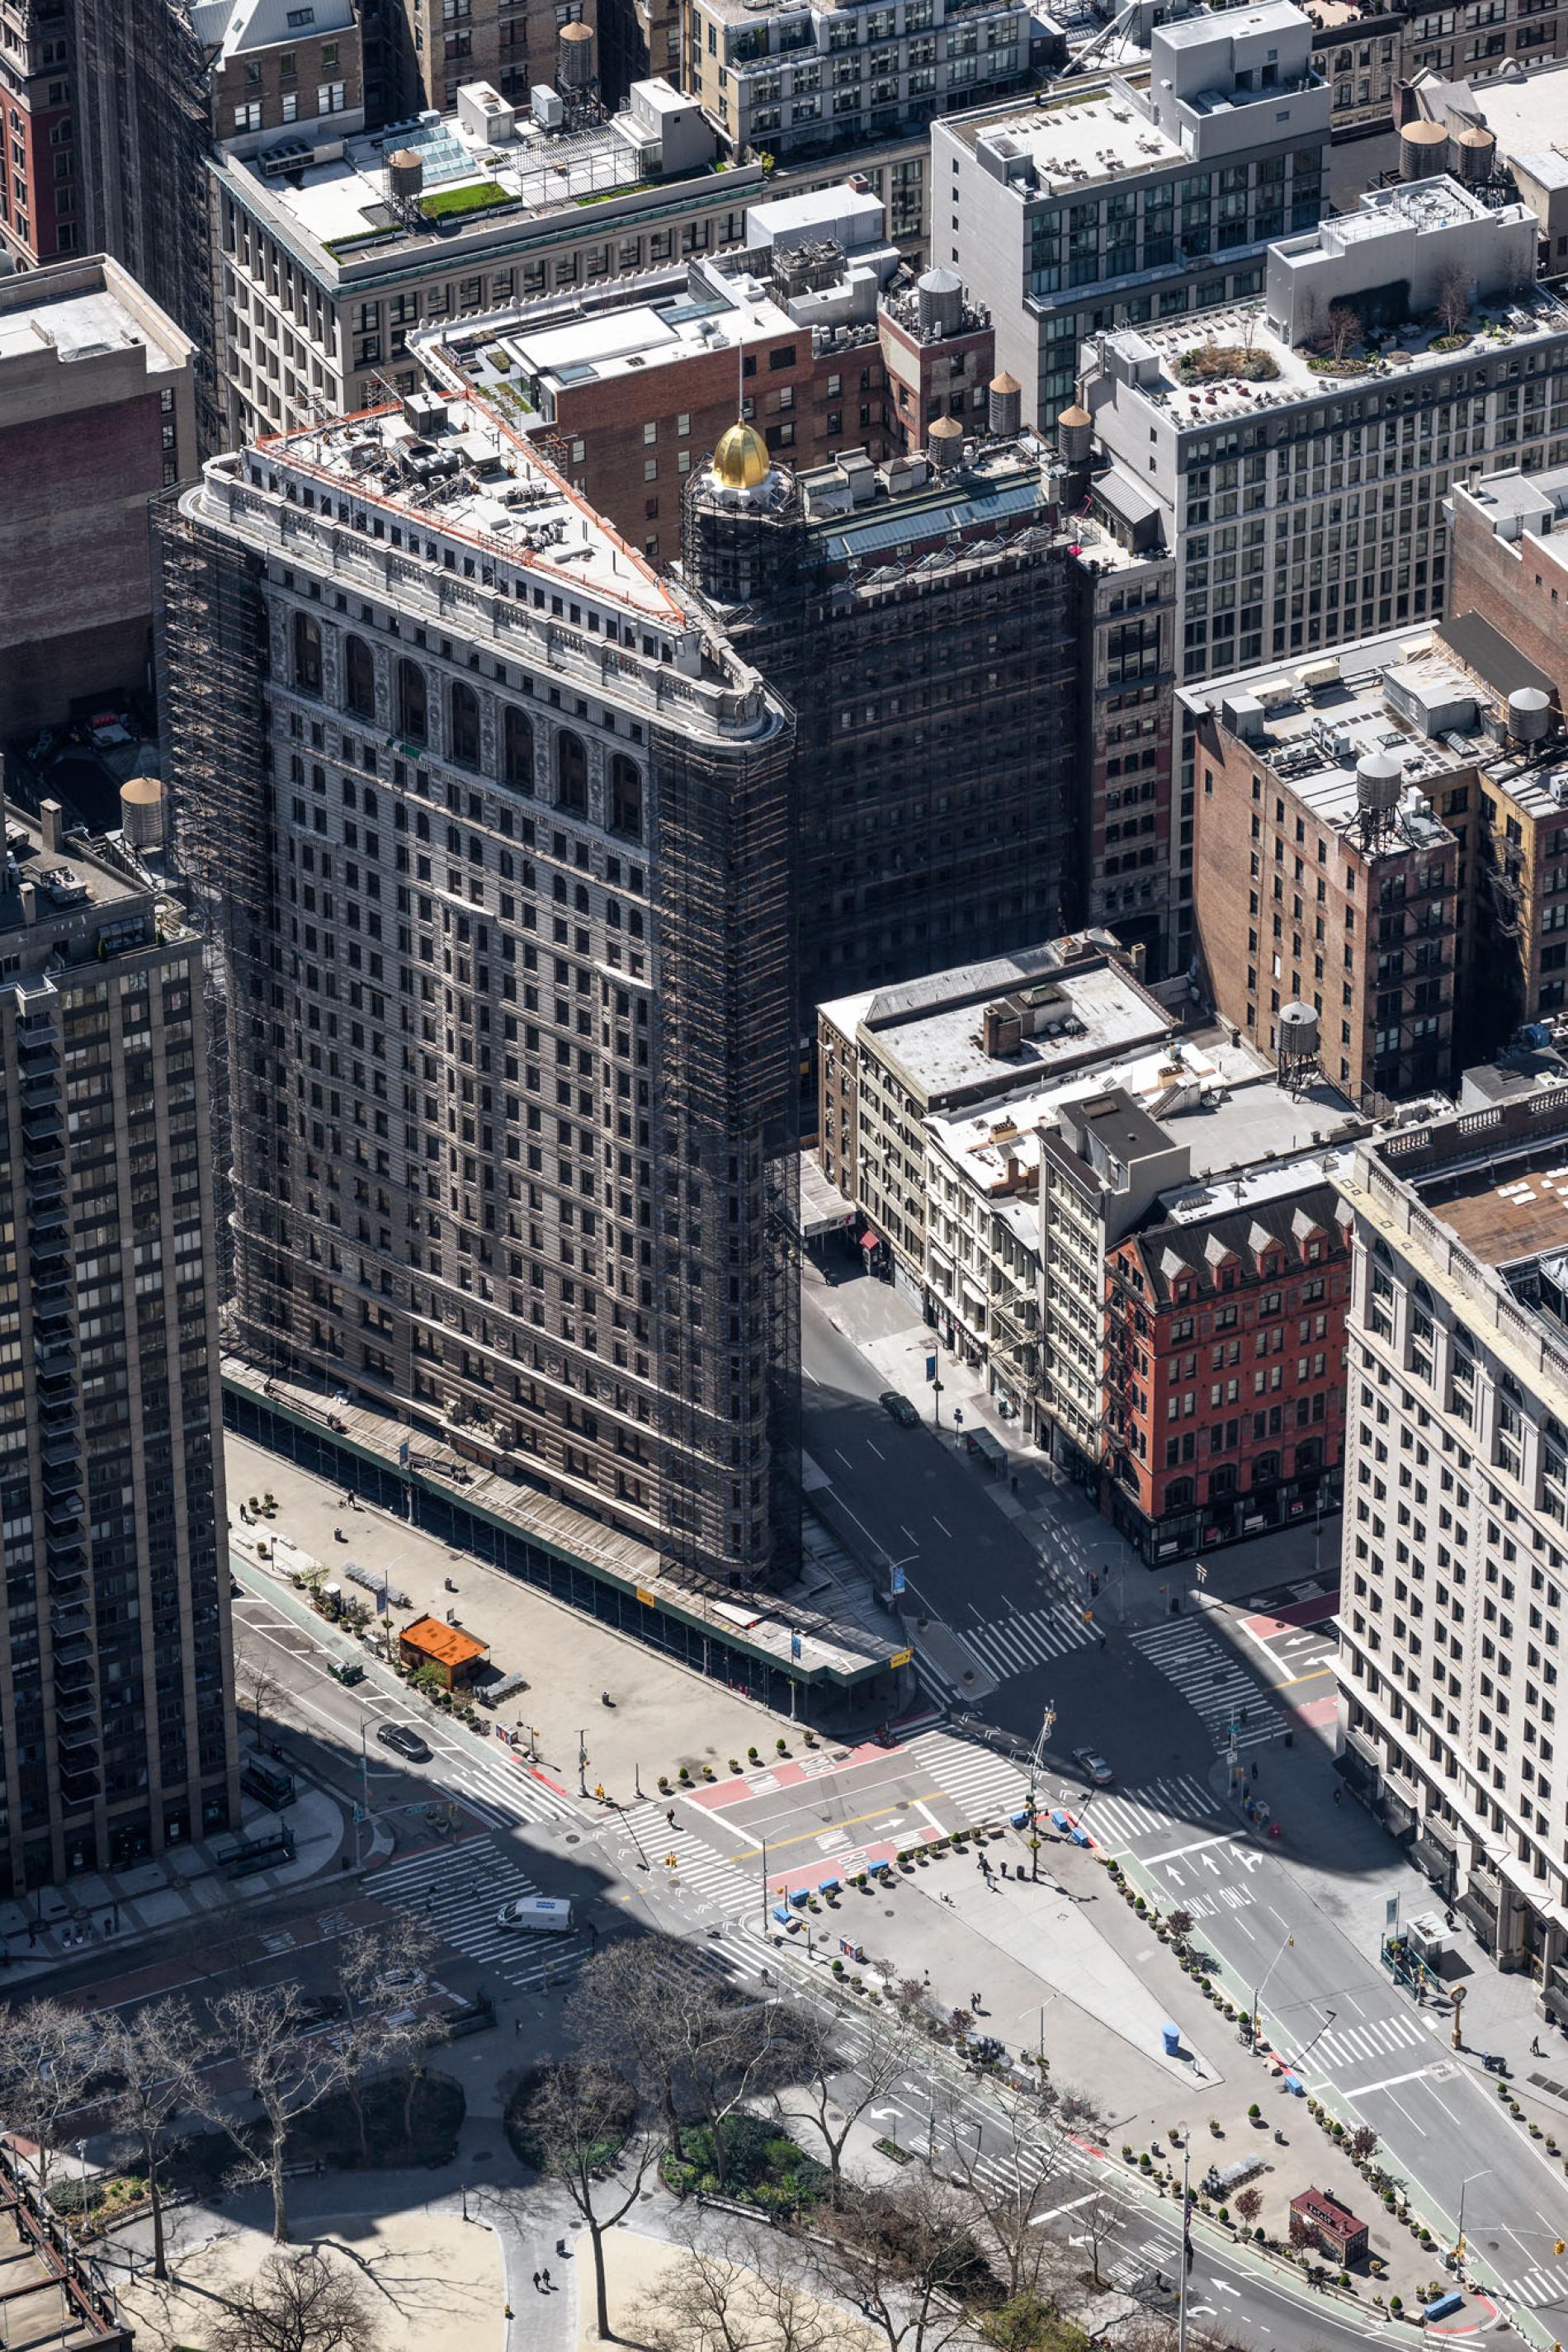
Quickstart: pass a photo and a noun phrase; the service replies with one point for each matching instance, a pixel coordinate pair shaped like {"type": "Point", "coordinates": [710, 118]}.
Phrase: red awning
{"type": "Point", "coordinates": [869, 1240]}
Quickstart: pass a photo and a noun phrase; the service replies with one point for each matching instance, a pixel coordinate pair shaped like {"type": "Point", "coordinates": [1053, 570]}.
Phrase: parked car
{"type": "Point", "coordinates": [900, 1409]}
{"type": "Point", "coordinates": [1093, 1767]}
{"type": "Point", "coordinates": [403, 1740]}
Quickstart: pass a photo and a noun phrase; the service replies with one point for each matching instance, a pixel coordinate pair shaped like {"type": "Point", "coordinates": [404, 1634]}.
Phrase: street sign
{"type": "Point", "coordinates": [930, 1368]}
{"type": "Point", "coordinates": [1391, 1914]}
{"type": "Point", "coordinates": [646, 1597]}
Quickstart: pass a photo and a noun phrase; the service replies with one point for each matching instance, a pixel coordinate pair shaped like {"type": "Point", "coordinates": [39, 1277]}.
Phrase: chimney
{"type": "Point", "coordinates": [52, 818]}
{"type": "Point", "coordinates": [28, 892]}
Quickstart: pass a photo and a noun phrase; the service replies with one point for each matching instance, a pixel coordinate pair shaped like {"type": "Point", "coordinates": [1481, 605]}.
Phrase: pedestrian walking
{"type": "Point", "coordinates": [1338, 1796]}
{"type": "Point", "coordinates": [1534, 2046]}
{"type": "Point", "coordinates": [1103, 1640]}
{"type": "Point", "coordinates": [517, 2025]}
{"type": "Point", "coordinates": [536, 2281]}
{"type": "Point", "coordinates": [928, 1976]}
{"type": "Point", "coordinates": [545, 2277]}
{"type": "Point", "coordinates": [1254, 1771]}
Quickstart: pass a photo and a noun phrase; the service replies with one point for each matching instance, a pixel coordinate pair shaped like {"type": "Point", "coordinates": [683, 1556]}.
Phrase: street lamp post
{"type": "Point", "coordinates": [1037, 1756]}
{"type": "Point", "coordinates": [1485, 2174]}
{"type": "Point", "coordinates": [1185, 2251]}
{"type": "Point", "coordinates": [1261, 1987]}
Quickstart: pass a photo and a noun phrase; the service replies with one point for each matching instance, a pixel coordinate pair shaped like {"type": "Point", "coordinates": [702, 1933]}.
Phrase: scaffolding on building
{"type": "Point", "coordinates": [144, 117]}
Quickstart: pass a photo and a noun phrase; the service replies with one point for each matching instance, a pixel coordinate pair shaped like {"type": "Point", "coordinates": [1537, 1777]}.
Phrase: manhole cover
{"type": "Point", "coordinates": [573, 1838]}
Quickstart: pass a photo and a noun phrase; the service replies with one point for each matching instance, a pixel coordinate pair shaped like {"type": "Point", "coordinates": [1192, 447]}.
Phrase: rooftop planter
{"type": "Point", "coordinates": [1213, 363]}
{"type": "Point", "coordinates": [480, 196]}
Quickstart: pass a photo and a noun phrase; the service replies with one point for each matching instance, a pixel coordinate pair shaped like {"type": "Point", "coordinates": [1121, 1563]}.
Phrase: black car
{"type": "Point", "coordinates": [406, 1742]}
{"type": "Point", "coordinates": [900, 1407]}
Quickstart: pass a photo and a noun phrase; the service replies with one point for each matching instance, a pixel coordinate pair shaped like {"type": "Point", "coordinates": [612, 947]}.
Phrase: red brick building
{"type": "Point", "coordinates": [1225, 1363]}
{"type": "Point", "coordinates": [39, 186]}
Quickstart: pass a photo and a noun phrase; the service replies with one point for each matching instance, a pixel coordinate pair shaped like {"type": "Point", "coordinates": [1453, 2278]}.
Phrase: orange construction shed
{"type": "Point", "coordinates": [448, 1648]}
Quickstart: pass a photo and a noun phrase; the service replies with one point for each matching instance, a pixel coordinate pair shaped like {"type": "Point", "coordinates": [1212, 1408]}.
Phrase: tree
{"type": "Point", "coordinates": [1363, 2143]}
{"type": "Point", "coordinates": [377, 1970]}
{"type": "Point", "coordinates": [1452, 302]}
{"type": "Point", "coordinates": [577, 2120]}
{"type": "Point", "coordinates": [1025, 2324]}
{"type": "Point", "coordinates": [621, 2013]}
{"type": "Point", "coordinates": [1095, 2223]}
{"type": "Point", "coordinates": [837, 2089]}
{"type": "Point", "coordinates": [732, 2293]}
{"type": "Point", "coordinates": [1344, 328]}
{"type": "Point", "coordinates": [265, 2026]}
{"type": "Point", "coordinates": [257, 1686]}
{"type": "Point", "coordinates": [1180, 1924]}
{"type": "Point", "coordinates": [295, 2303]}
{"type": "Point", "coordinates": [1013, 2185]}
{"type": "Point", "coordinates": [157, 2054]}
{"type": "Point", "coordinates": [49, 2061]}
{"type": "Point", "coordinates": [908, 2259]}
{"type": "Point", "coordinates": [1249, 2205]}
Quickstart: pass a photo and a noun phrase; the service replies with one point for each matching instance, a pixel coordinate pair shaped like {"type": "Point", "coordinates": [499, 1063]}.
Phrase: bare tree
{"type": "Point", "coordinates": [257, 1686]}
{"type": "Point", "coordinates": [1452, 302]}
{"type": "Point", "coordinates": [378, 1971]}
{"type": "Point", "coordinates": [1344, 329]}
{"type": "Point", "coordinates": [49, 2061]}
{"type": "Point", "coordinates": [157, 2055]}
{"type": "Point", "coordinates": [910, 2260]}
{"type": "Point", "coordinates": [579, 2120]}
{"type": "Point", "coordinates": [732, 2292]}
{"type": "Point", "coordinates": [837, 2088]}
{"type": "Point", "coordinates": [1093, 2224]}
{"type": "Point", "coordinates": [1363, 2143]}
{"type": "Point", "coordinates": [1012, 2184]}
{"type": "Point", "coordinates": [736, 2049]}
{"type": "Point", "coordinates": [265, 2026]}
{"type": "Point", "coordinates": [296, 2303]}
{"type": "Point", "coordinates": [621, 2013]}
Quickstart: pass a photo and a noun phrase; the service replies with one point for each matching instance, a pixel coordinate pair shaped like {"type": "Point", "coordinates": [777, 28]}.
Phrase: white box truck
{"type": "Point", "coordinates": [536, 1914]}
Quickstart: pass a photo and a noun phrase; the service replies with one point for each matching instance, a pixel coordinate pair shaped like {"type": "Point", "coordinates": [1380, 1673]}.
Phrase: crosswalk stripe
{"type": "Point", "coordinates": [1013, 1645]}
{"type": "Point", "coordinates": [1216, 1685]}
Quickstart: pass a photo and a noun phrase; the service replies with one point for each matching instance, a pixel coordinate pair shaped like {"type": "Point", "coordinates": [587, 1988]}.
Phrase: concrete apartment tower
{"type": "Point", "coordinates": [116, 1671]}
{"type": "Point", "coordinates": [495, 834]}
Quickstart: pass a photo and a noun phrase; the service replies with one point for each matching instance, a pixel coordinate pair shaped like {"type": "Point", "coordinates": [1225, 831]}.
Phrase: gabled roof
{"type": "Point", "coordinates": [1170, 1253]}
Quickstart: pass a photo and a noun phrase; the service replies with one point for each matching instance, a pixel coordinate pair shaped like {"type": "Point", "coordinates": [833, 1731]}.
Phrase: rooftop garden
{"type": "Point", "coordinates": [1211, 362]}
{"type": "Point", "coordinates": [476, 197]}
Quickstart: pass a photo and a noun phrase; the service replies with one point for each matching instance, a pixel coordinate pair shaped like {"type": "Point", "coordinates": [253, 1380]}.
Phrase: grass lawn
{"type": "Point", "coordinates": [444, 202]}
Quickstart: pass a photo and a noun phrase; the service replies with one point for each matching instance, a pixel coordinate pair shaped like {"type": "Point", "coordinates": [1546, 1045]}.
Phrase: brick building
{"type": "Point", "coordinates": [276, 68]}
{"type": "Point", "coordinates": [1224, 1359]}
{"type": "Point", "coordinates": [96, 416]}
{"type": "Point", "coordinates": [40, 191]}
{"type": "Point", "coordinates": [428, 48]}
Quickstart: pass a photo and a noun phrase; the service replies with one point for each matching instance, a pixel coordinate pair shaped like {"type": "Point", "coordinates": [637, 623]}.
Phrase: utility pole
{"type": "Point", "coordinates": [1186, 2241]}
{"type": "Point", "coordinates": [1036, 1754]}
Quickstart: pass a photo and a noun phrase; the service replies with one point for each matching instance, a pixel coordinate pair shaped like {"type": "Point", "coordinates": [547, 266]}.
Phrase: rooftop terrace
{"type": "Point", "coordinates": [433, 473]}
{"type": "Point", "coordinates": [1072, 140]}
{"type": "Point", "coordinates": [344, 203]}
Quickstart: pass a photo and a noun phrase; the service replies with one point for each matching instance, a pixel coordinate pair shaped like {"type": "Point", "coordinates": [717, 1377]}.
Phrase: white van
{"type": "Point", "coordinates": [536, 1914]}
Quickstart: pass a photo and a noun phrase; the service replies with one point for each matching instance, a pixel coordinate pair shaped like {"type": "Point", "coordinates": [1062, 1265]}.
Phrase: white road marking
{"type": "Point", "coordinates": [1365, 2090]}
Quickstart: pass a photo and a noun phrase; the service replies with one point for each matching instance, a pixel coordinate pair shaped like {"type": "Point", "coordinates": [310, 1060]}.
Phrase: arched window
{"type": "Point", "coordinates": [517, 750]}
{"type": "Point", "coordinates": [571, 774]}
{"type": "Point", "coordinates": [464, 710]}
{"type": "Point", "coordinates": [359, 678]}
{"type": "Point", "coordinates": [1222, 1482]}
{"type": "Point", "coordinates": [1179, 1494]}
{"type": "Point", "coordinates": [306, 653]}
{"type": "Point", "coordinates": [413, 708]}
{"type": "Point", "coordinates": [1265, 1471]}
{"type": "Point", "coordinates": [625, 796]}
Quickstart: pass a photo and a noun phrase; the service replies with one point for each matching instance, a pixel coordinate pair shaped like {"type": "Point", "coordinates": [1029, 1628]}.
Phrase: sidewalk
{"type": "Point", "coordinates": [663, 1715]}
{"type": "Point", "coordinates": [116, 1910]}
